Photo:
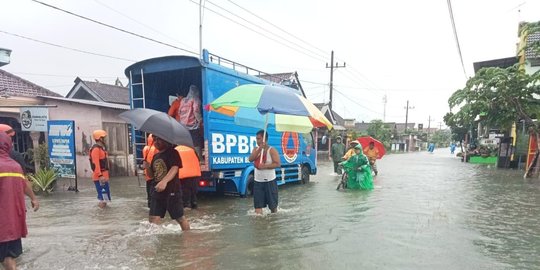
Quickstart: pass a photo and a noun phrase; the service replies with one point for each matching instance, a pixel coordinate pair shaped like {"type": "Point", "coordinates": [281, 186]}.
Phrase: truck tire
{"type": "Point", "coordinates": [249, 187]}
{"type": "Point", "coordinates": [304, 177]}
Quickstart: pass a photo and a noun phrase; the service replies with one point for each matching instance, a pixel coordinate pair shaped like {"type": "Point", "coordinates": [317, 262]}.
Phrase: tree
{"type": "Point", "coordinates": [501, 97]}
{"type": "Point", "coordinates": [378, 130]}
{"type": "Point", "coordinates": [441, 138]}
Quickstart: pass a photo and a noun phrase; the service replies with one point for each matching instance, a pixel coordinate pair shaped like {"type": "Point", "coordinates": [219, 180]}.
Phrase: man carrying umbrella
{"type": "Point", "coordinates": [266, 159]}
{"type": "Point", "coordinates": [372, 153]}
{"type": "Point", "coordinates": [167, 196]}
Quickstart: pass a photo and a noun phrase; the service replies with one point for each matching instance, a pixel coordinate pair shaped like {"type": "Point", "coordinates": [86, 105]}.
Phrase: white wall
{"type": "Point", "coordinates": [87, 119]}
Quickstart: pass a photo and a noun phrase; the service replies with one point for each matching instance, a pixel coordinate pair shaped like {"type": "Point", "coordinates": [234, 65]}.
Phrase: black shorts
{"type": "Point", "coordinates": [11, 249]}
{"type": "Point", "coordinates": [265, 193]}
{"type": "Point", "coordinates": [170, 202]}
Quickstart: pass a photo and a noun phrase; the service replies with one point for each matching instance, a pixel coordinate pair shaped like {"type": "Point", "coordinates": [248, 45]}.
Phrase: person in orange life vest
{"type": "Point", "coordinates": [187, 111]}
{"type": "Point", "coordinates": [14, 154]}
{"type": "Point", "coordinates": [148, 154]}
{"type": "Point", "coordinates": [189, 175]}
{"type": "Point", "coordinates": [13, 186]}
{"type": "Point", "coordinates": [173, 109]}
{"type": "Point", "coordinates": [100, 166]}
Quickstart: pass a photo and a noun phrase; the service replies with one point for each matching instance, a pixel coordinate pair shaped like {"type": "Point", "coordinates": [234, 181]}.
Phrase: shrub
{"type": "Point", "coordinates": [44, 179]}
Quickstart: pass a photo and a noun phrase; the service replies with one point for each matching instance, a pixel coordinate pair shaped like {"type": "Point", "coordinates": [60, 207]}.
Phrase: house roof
{"type": "Point", "coordinates": [101, 91]}
{"type": "Point", "coordinates": [501, 63]}
{"type": "Point", "coordinates": [12, 85]}
{"type": "Point", "coordinates": [90, 102]}
{"type": "Point", "coordinates": [334, 117]}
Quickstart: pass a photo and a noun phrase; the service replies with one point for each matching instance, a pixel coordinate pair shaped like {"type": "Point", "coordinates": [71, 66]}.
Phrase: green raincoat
{"type": "Point", "coordinates": [359, 172]}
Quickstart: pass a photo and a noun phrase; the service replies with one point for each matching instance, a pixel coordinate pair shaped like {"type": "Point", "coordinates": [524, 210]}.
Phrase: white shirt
{"type": "Point", "coordinates": [265, 175]}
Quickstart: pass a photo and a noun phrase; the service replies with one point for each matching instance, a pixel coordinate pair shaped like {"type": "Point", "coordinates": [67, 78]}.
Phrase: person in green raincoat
{"type": "Point", "coordinates": [358, 170]}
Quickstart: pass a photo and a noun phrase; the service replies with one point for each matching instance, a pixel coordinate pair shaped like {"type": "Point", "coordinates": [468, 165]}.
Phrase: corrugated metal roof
{"type": "Point", "coordinates": [90, 102]}
{"type": "Point", "coordinates": [12, 85]}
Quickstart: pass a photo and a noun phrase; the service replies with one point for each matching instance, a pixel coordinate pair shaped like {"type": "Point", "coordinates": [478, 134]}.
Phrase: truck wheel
{"type": "Point", "coordinates": [304, 178]}
{"type": "Point", "coordinates": [250, 183]}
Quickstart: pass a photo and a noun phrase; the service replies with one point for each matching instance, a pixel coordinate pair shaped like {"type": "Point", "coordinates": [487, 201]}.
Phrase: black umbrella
{"type": "Point", "coordinates": [159, 124]}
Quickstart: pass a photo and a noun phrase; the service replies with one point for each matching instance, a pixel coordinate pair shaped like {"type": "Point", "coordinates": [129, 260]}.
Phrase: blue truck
{"type": "Point", "coordinates": [225, 166]}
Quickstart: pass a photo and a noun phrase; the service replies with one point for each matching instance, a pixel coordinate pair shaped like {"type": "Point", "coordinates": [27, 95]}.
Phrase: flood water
{"type": "Point", "coordinates": [427, 211]}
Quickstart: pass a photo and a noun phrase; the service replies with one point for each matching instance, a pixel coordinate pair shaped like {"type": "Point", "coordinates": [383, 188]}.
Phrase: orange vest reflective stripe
{"type": "Point", "coordinates": [190, 162]}
{"type": "Point", "coordinates": [12, 174]}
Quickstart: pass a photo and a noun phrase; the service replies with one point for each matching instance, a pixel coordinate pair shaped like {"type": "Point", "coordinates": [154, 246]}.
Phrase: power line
{"type": "Point", "coordinates": [456, 36]}
{"type": "Point", "coordinates": [114, 27]}
{"type": "Point", "coordinates": [264, 29]}
{"type": "Point", "coordinates": [258, 32]}
{"type": "Point", "coordinates": [68, 48]}
{"type": "Point", "coordinates": [283, 30]}
{"type": "Point", "coordinates": [140, 23]}
{"type": "Point", "coordinates": [353, 101]}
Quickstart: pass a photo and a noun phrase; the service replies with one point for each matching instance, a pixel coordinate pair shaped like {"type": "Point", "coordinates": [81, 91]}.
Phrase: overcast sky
{"type": "Point", "coordinates": [402, 49]}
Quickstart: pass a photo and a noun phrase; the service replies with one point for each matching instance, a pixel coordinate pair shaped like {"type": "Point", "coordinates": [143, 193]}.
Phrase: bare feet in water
{"type": "Point", "coordinates": [102, 204]}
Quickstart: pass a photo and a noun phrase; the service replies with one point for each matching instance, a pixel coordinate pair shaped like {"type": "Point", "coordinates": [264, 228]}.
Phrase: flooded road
{"type": "Point", "coordinates": [427, 211]}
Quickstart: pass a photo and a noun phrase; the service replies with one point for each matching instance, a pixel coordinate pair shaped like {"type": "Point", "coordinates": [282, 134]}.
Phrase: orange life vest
{"type": "Point", "coordinates": [190, 162]}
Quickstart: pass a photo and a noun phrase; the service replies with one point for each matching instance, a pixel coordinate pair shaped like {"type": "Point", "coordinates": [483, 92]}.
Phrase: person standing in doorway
{"type": "Point", "coordinates": [13, 186]}
{"type": "Point", "coordinates": [266, 160]}
{"type": "Point", "coordinates": [187, 110]}
{"type": "Point", "coordinates": [148, 154]}
{"type": "Point", "coordinates": [167, 196]}
{"type": "Point", "coordinates": [189, 175]}
{"type": "Point", "coordinates": [99, 164]}
{"type": "Point", "coordinates": [337, 152]}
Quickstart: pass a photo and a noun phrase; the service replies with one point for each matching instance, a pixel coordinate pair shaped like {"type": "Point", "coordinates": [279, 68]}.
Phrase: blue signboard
{"type": "Point", "coordinates": [62, 147]}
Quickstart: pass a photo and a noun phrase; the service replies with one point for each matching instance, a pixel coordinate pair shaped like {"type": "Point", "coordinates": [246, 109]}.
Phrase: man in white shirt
{"type": "Point", "coordinates": [266, 160]}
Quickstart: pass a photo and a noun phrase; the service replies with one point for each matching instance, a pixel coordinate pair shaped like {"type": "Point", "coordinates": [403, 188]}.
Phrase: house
{"type": "Point", "coordinates": [101, 92]}
{"type": "Point", "coordinates": [88, 115]}
{"type": "Point", "coordinates": [529, 47]}
{"type": "Point", "coordinates": [16, 92]}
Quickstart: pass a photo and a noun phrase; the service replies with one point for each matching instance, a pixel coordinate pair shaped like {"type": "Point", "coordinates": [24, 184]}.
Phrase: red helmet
{"type": "Point", "coordinates": [98, 134]}
{"type": "Point", "coordinates": [7, 129]}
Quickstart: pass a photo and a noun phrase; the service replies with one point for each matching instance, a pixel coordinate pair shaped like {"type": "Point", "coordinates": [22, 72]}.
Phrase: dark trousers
{"type": "Point", "coordinates": [150, 185]}
{"type": "Point", "coordinates": [337, 168]}
{"type": "Point", "coordinates": [189, 191]}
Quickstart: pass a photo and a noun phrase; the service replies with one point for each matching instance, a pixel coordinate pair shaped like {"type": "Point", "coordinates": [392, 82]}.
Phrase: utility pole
{"type": "Point", "coordinates": [332, 66]}
{"type": "Point", "coordinates": [200, 29]}
{"type": "Point", "coordinates": [385, 100]}
{"type": "Point", "coordinates": [428, 128]}
{"type": "Point", "coordinates": [407, 114]}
